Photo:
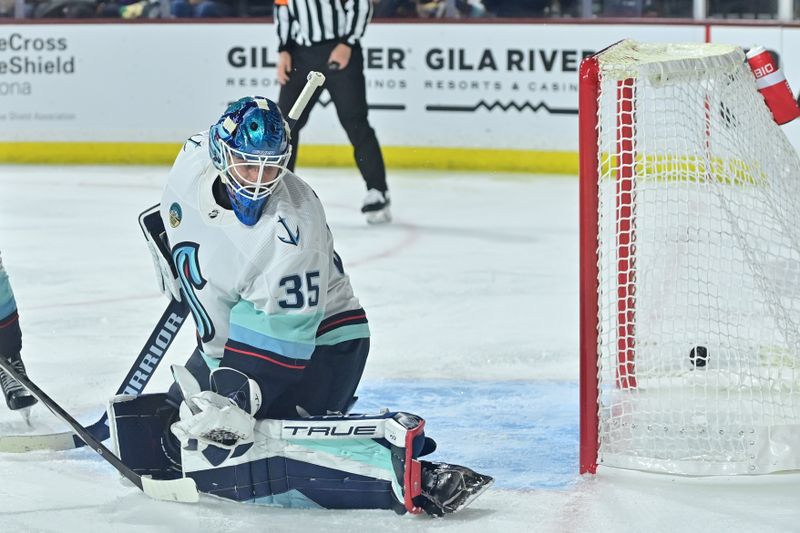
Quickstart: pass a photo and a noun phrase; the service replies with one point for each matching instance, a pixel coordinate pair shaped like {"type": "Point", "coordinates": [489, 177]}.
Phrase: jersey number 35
{"type": "Point", "coordinates": [295, 295]}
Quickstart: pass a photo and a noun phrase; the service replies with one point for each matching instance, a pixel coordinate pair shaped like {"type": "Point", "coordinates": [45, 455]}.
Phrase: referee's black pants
{"type": "Point", "coordinates": [348, 91]}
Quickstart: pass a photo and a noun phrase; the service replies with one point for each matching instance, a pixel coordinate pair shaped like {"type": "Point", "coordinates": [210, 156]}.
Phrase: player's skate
{"type": "Point", "coordinates": [449, 488]}
{"type": "Point", "coordinates": [17, 397]}
{"type": "Point", "coordinates": [376, 207]}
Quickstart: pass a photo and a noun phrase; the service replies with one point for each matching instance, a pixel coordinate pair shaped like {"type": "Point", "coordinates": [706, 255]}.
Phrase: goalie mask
{"type": "Point", "coordinates": [249, 145]}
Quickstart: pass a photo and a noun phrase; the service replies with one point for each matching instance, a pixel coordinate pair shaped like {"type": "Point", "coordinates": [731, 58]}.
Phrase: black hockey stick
{"type": "Point", "coordinates": [179, 490]}
{"type": "Point", "coordinates": [140, 373]}
{"type": "Point", "coordinates": [146, 362]}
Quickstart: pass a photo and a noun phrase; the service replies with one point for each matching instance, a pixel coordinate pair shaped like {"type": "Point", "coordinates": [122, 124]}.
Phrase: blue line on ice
{"type": "Point", "coordinates": [524, 433]}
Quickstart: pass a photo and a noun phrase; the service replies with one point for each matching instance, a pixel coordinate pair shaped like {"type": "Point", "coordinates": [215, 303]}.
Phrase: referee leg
{"type": "Point", "coordinates": [348, 90]}
{"type": "Point", "coordinates": [289, 93]}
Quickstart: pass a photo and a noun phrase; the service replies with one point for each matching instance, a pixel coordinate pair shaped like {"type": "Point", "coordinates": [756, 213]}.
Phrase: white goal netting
{"type": "Point", "coordinates": [699, 254]}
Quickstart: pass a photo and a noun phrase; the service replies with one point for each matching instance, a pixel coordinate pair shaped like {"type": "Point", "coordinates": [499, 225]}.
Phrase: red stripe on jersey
{"type": "Point", "coordinates": [337, 322]}
{"type": "Point", "coordinates": [271, 360]}
{"type": "Point", "coordinates": [10, 321]}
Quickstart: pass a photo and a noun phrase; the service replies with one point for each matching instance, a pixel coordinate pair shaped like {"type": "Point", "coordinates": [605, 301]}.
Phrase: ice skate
{"type": "Point", "coordinates": [376, 207]}
{"type": "Point", "coordinates": [449, 488]}
{"type": "Point", "coordinates": [17, 397]}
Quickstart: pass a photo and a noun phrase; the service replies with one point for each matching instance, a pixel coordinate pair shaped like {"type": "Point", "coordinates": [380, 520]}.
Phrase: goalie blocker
{"type": "Point", "coordinates": [331, 462]}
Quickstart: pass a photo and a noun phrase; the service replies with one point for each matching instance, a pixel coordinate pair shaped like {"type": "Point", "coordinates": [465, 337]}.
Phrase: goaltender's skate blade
{"type": "Point", "coordinates": [450, 488]}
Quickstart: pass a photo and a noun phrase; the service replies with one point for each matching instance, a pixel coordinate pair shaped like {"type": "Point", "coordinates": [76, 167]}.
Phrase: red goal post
{"type": "Point", "coordinates": [689, 266]}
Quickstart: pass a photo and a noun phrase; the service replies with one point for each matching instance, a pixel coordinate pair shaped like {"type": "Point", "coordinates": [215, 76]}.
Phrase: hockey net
{"type": "Point", "coordinates": [690, 266]}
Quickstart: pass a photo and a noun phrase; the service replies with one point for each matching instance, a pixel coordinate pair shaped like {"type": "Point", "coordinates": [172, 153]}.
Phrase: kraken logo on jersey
{"type": "Point", "coordinates": [175, 214]}
{"type": "Point", "coordinates": [293, 238]}
{"type": "Point", "coordinates": [185, 256]}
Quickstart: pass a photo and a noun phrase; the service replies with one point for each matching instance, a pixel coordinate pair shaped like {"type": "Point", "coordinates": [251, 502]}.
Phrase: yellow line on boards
{"type": "Point", "coordinates": [312, 155]}
{"type": "Point", "coordinates": [89, 153]}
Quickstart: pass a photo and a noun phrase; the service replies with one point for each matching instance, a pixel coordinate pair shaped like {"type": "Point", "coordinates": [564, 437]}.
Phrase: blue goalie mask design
{"type": "Point", "coordinates": [249, 145]}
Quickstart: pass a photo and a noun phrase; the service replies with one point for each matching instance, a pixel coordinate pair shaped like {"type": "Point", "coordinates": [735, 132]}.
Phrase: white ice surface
{"type": "Point", "coordinates": [472, 301]}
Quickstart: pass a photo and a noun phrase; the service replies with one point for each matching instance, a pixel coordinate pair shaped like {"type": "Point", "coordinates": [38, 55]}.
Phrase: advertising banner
{"type": "Point", "coordinates": [475, 87]}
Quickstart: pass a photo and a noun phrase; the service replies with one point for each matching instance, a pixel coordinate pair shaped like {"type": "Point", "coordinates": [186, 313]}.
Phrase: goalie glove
{"type": "Point", "coordinates": [219, 423]}
{"type": "Point", "coordinates": [156, 235]}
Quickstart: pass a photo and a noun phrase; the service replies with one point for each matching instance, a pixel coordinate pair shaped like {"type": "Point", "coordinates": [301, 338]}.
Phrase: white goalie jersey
{"type": "Point", "coordinates": [274, 290]}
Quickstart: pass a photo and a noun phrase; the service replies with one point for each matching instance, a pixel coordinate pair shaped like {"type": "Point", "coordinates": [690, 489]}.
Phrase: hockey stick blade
{"type": "Point", "coordinates": [138, 376]}
{"type": "Point", "coordinates": [55, 442]}
{"type": "Point", "coordinates": [177, 490]}
{"type": "Point", "coordinates": [183, 490]}
{"type": "Point", "coordinates": [30, 443]}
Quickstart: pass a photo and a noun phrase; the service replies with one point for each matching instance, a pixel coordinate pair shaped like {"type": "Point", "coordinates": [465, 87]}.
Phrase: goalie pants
{"type": "Point", "coordinates": [327, 384]}
{"type": "Point", "coordinates": [348, 91]}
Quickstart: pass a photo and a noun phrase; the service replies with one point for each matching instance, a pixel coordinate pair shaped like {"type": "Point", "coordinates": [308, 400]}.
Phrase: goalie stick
{"type": "Point", "coordinates": [178, 490]}
{"type": "Point", "coordinates": [138, 376]}
{"type": "Point", "coordinates": [315, 79]}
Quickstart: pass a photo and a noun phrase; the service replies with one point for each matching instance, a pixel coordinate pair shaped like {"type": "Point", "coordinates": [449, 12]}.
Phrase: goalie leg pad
{"type": "Point", "coordinates": [283, 482]}
{"type": "Point", "coordinates": [333, 462]}
{"type": "Point", "coordinates": [140, 434]}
